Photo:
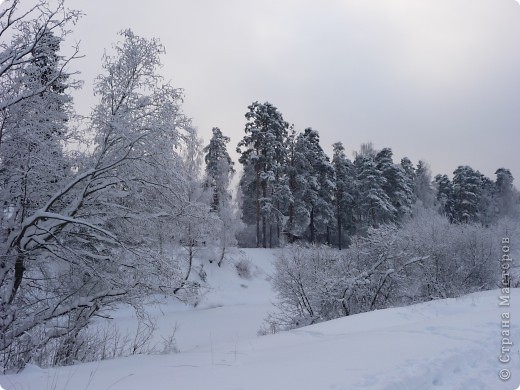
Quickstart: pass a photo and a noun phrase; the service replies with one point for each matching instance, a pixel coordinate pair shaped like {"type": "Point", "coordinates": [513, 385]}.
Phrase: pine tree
{"type": "Point", "coordinates": [324, 207]}
{"type": "Point", "coordinates": [247, 187]}
{"type": "Point", "coordinates": [291, 181]}
{"type": "Point", "coordinates": [410, 176]}
{"type": "Point", "coordinates": [301, 181]}
{"type": "Point", "coordinates": [487, 206]}
{"type": "Point", "coordinates": [374, 205]}
{"type": "Point", "coordinates": [313, 189]}
{"type": "Point", "coordinates": [444, 196]}
{"type": "Point", "coordinates": [263, 147]}
{"type": "Point", "coordinates": [466, 194]}
{"type": "Point", "coordinates": [505, 192]}
{"type": "Point", "coordinates": [344, 193]}
{"type": "Point", "coordinates": [395, 184]}
{"type": "Point", "coordinates": [408, 168]}
{"type": "Point", "coordinates": [422, 184]}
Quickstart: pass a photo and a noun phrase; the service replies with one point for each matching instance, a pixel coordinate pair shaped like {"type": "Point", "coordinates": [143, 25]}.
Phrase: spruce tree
{"type": "Point", "coordinates": [33, 163]}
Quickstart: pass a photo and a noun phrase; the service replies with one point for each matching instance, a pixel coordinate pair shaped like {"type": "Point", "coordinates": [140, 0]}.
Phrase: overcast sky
{"type": "Point", "coordinates": [437, 80]}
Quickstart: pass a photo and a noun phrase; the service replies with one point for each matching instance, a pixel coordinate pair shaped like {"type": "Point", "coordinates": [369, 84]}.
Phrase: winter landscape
{"type": "Point", "coordinates": [136, 254]}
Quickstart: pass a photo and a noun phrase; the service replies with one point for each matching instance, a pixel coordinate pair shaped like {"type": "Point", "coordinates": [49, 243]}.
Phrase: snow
{"type": "Point", "coordinates": [445, 344]}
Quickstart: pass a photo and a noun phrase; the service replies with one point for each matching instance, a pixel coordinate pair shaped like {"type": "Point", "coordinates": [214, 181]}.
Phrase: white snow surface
{"type": "Point", "coordinates": [445, 344]}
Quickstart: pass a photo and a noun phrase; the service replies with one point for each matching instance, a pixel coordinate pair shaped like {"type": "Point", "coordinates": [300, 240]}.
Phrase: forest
{"type": "Point", "coordinates": [114, 208]}
{"type": "Point", "coordinates": [292, 191]}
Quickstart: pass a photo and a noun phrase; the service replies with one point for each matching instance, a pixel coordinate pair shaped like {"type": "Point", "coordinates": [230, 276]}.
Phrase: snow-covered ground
{"type": "Point", "coordinates": [448, 344]}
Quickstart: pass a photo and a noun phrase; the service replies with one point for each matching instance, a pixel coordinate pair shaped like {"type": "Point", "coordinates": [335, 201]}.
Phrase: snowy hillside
{"type": "Point", "coordinates": [448, 344]}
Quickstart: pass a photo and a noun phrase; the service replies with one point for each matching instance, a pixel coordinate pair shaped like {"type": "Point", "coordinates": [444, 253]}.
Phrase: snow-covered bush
{"type": "Point", "coordinates": [306, 282]}
{"type": "Point", "coordinates": [243, 268]}
{"type": "Point", "coordinates": [426, 258]}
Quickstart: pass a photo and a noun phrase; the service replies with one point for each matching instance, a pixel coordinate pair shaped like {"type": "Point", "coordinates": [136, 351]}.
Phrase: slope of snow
{"type": "Point", "coordinates": [448, 344]}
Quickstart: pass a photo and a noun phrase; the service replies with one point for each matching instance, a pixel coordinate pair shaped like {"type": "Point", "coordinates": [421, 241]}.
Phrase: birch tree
{"type": "Point", "coordinates": [90, 239]}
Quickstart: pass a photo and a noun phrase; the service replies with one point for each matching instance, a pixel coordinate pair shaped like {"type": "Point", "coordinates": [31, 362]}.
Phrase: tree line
{"type": "Point", "coordinates": [292, 191]}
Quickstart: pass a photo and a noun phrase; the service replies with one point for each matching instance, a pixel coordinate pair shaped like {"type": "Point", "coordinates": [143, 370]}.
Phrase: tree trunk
{"type": "Point", "coordinates": [311, 226]}
{"type": "Point", "coordinates": [19, 270]}
{"type": "Point", "coordinates": [257, 168]}
{"type": "Point", "coordinates": [278, 223]}
{"type": "Point", "coordinates": [373, 215]}
{"type": "Point", "coordinates": [338, 218]}
{"type": "Point", "coordinates": [264, 232]}
{"type": "Point", "coordinates": [191, 254]}
{"type": "Point", "coordinates": [290, 223]}
{"type": "Point", "coordinates": [264, 219]}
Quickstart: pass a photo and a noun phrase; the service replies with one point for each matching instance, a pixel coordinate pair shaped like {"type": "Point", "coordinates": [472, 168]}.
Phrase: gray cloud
{"type": "Point", "coordinates": [433, 79]}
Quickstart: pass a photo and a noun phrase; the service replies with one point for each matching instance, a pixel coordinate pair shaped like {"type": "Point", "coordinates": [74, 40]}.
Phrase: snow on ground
{"type": "Point", "coordinates": [232, 310]}
{"type": "Point", "coordinates": [447, 344]}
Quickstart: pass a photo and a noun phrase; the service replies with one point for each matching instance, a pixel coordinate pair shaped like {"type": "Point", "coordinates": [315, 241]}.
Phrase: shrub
{"type": "Point", "coordinates": [426, 258]}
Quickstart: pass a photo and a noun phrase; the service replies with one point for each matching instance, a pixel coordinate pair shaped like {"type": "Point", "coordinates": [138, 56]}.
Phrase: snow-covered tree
{"type": "Point", "coordinates": [91, 240]}
{"type": "Point", "coordinates": [263, 147]}
{"type": "Point", "coordinates": [505, 192]}
{"type": "Point", "coordinates": [34, 108]}
{"type": "Point", "coordinates": [408, 168]}
{"type": "Point", "coordinates": [219, 172]}
{"type": "Point", "coordinates": [422, 184]}
{"type": "Point", "coordinates": [373, 204]}
{"type": "Point", "coordinates": [314, 187]}
{"type": "Point", "coordinates": [219, 169]}
{"type": "Point", "coordinates": [291, 177]}
{"type": "Point", "coordinates": [32, 157]}
{"type": "Point", "coordinates": [195, 226]}
{"type": "Point", "coordinates": [466, 194]}
{"type": "Point", "coordinates": [395, 184]}
{"type": "Point", "coordinates": [487, 205]}
{"type": "Point", "coordinates": [25, 35]}
{"type": "Point", "coordinates": [247, 191]}
{"type": "Point", "coordinates": [409, 175]}
{"type": "Point", "coordinates": [444, 196]}
{"type": "Point", "coordinates": [344, 195]}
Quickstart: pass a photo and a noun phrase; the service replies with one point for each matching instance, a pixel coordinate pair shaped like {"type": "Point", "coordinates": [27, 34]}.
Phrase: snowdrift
{"type": "Point", "coordinates": [445, 344]}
